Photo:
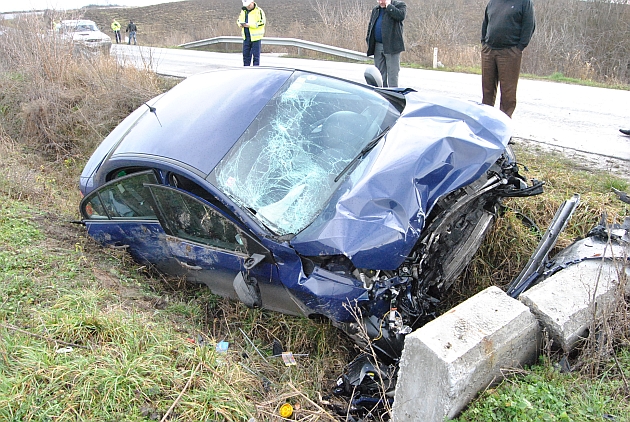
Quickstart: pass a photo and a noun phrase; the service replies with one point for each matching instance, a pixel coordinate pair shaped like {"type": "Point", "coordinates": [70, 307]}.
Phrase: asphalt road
{"type": "Point", "coordinates": [580, 121]}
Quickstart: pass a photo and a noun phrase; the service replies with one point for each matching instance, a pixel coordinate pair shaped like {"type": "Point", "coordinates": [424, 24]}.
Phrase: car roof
{"type": "Point", "coordinates": [199, 120]}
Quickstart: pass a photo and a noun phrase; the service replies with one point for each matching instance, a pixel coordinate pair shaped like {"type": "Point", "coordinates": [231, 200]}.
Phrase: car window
{"type": "Point", "coordinates": [188, 218]}
{"type": "Point", "coordinates": [125, 197]}
{"type": "Point", "coordinates": [283, 167]}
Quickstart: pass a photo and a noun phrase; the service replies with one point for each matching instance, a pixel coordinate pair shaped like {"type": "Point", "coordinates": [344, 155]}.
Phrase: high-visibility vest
{"type": "Point", "coordinates": [115, 26]}
{"type": "Point", "coordinates": [256, 20]}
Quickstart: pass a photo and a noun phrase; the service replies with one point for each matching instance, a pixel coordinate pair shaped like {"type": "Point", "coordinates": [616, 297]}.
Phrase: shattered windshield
{"type": "Point", "coordinates": [283, 167]}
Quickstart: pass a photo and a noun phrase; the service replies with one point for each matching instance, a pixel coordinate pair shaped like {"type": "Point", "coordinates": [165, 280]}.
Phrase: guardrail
{"type": "Point", "coordinates": [286, 42]}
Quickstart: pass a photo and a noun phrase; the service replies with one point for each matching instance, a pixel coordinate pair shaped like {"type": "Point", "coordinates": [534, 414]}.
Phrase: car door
{"type": "Point", "coordinates": [120, 215]}
{"type": "Point", "coordinates": [216, 252]}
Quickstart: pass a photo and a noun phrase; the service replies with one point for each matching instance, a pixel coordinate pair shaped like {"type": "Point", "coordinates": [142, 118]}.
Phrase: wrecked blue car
{"type": "Point", "coordinates": [305, 194]}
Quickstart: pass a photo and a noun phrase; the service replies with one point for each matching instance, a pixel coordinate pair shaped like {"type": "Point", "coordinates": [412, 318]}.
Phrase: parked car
{"type": "Point", "coordinates": [305, 194]}
{"type": "Point", "coordinates": [85, 36]}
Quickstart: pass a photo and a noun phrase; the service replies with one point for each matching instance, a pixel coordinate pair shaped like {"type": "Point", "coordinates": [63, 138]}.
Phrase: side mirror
{"type": "Point", "coordinates": [373, 76]}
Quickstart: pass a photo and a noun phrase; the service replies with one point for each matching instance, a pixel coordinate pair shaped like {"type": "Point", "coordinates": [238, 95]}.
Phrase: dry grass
{"type": "Point", "coordinates": [510, 244]}
{"type": "Point", "coordinates": [59, 103]}
{"type": "Point", "coordinates": [55, 108]}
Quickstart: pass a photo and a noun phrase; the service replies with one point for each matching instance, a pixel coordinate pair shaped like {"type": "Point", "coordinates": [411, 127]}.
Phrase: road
{"type": "Point", "coordinates": [580, 121]}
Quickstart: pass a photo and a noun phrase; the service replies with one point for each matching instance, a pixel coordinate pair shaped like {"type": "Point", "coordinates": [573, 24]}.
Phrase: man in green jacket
{"type": "Point", "coordinates": [252, 23]}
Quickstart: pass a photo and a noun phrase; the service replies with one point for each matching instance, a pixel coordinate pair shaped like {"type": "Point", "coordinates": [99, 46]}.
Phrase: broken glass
{"type": "Point", "coordinates": [283, 167]}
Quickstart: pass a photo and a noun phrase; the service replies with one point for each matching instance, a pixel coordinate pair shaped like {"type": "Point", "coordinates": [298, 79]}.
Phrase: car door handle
{"type": "Point", "coordinates": [118, 246]}
{"type": "Point", "coordinates": [188, 266]}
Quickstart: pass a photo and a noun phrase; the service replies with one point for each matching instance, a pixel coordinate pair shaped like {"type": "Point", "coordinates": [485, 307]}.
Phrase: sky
{"type": "Point", "coordinates": [26, 5]}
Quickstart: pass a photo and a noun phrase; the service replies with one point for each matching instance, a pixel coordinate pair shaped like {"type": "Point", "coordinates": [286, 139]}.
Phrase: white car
{"type": "Point", "coordinates": [85, 36]}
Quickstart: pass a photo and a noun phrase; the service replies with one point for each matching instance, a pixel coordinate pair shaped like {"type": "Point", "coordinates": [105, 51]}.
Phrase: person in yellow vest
{"type": "Point", "coordinates": [252, 23]}
{"type": "Point", "coordinates": [116, 29]}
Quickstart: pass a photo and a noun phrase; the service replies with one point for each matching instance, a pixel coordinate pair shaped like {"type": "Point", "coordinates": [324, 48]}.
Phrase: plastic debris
{"type": "Point", "coordinates": [288, 359]}
{"type": "Point", "coordinates": [277, 348]}
{"type": "Point", "coordinates": [222, 346]}
{"type": "Point", "coordinates": [286, 410]}
{"type": "Point", "coordinates": [64, 350]}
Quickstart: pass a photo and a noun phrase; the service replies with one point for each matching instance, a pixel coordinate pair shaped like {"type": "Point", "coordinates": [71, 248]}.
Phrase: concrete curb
{"type": "Point", "coordinates": [447, 362]}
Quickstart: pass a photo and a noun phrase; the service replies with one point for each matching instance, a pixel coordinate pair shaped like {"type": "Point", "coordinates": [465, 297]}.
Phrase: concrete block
{"type": "Point", "coordinates": [570, 300]}
{"type": "Point", "coordinates": [448, 361]}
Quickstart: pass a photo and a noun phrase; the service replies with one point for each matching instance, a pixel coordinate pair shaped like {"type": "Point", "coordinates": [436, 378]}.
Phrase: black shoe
{"type": "Point", "coordinates": [625, 131]}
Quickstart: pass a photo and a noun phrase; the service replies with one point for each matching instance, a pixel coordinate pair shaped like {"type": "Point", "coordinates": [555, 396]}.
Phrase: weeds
{"type": "Point", "coordinates": [61, 104]}
{"type": "Point", "coordinates": [86, 334]}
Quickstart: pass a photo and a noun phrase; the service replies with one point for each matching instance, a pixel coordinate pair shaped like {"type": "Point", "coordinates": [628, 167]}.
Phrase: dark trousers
{"type": "Point", "coordinates": [500, 67]}
{"type": "Point", "coordinates": [251, 50]}
{"type": "Point", "coordinates": [117, 34]}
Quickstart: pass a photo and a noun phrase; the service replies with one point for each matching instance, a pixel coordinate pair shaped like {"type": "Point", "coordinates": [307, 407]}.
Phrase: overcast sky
{"type": "Point", "coordinates": [25, 5]}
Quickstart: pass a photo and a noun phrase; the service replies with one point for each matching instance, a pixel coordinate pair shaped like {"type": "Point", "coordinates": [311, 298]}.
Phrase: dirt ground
{"type": "Point", "coordinates": [583, 161]}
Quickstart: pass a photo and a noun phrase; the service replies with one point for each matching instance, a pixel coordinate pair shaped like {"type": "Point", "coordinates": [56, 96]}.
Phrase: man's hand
{"type": "Point", "coordinates": [384, 3]}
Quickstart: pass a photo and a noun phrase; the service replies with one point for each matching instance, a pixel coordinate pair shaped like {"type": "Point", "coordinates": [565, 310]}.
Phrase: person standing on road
{"type": "Point", "coordinates": [116, 29]}
{"type": "Point", "coordinates": [507, 28]}
{"type": "Point", "coordinates": [385, 38]}
{"type": "Point", "coordinates": [252, 23]}
{"type": "Point", "coordinates": [132, 29]}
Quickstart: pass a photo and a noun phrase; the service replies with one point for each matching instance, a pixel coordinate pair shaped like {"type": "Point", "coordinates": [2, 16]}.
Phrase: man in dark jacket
{"type": "Point", "coordinates": [385, 38]}
{"type": "Point", "coordinates": [507, 27]}
{"type": "Point", "coordinates": [132, 29]}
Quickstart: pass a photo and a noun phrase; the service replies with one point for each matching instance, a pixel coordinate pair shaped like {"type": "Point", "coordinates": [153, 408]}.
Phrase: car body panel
{"type": "Point", "coordinates": [84, 34]}
{"type": "Point", "coordinates": [441, 145]}
{"type": "Point", "coordinates": [303, 193]}
{"type": "Point", "coordinates": [188, 115]}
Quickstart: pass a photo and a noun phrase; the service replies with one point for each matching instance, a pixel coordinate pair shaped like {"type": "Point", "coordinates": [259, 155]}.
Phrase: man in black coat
{"type": "Point", "coordinates": [385, 38]}
{"type": "Point", "coordinates": [507, 27]}
{"type": "Point", "coordinates": [132, 29]}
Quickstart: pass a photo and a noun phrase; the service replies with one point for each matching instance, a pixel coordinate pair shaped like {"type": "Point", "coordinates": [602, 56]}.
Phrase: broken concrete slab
{"type": "Point", "coordinates": [445, 363]}
{"type": "Point", "coordinates": [586, 287]}
{"type": "Point", "coordinates": [569, 301]}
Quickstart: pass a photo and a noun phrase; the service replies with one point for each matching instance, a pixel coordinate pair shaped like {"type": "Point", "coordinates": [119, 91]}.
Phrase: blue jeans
{"type": "Point", "coordinates": [251, 50]}
{"type": "Point", "coordinates": [132, 34]}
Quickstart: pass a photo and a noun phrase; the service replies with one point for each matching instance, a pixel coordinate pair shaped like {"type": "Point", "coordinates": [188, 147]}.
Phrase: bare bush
{"type": "Point", "coordinates": [446, 25]}
{"type": "Point", "coordinates": [342, 23]}
{"type": "Point", "coordinates": [585, 40]}
{"type": "Point", "coordinates": [58, 102]}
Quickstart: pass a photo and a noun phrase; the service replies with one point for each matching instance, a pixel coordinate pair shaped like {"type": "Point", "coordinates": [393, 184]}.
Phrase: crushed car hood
{"type": "Point", "coordinates": [438, 144]}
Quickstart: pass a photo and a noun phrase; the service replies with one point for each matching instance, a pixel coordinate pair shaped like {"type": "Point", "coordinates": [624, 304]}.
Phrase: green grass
{"type": "Point", "coordinates": [86, 334]}
{"type": "Point", "coordinates": [137, 339]}
{"type": "Point", "coordinates": [542, 393]}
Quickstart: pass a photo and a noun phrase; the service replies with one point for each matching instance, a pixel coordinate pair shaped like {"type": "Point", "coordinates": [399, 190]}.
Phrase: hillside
{"type": "Point", "coordinates": [178, 22]}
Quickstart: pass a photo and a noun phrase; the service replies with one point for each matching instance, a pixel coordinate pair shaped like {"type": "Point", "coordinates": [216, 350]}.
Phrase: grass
{"type": "Point", "coordinates": [87, 334]}
{"type": "Point", "coordinates": [543, 393]}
